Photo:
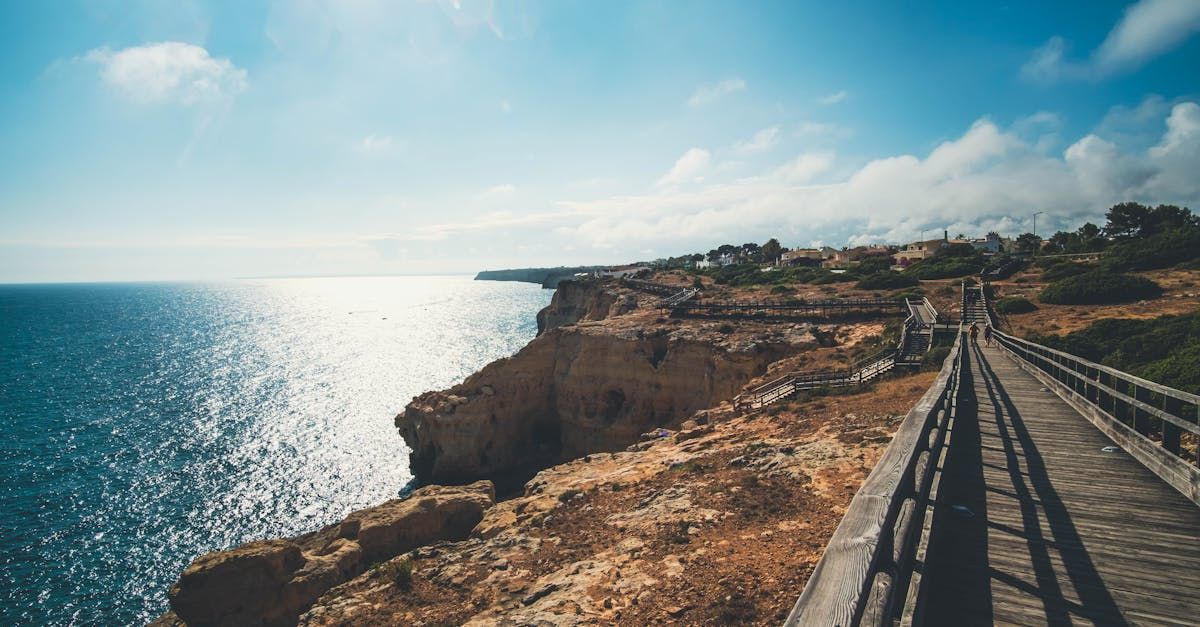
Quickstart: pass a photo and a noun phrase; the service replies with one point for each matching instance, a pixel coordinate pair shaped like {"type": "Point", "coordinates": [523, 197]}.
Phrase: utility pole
{"type": "Point", "coordinates": [1038, 245]}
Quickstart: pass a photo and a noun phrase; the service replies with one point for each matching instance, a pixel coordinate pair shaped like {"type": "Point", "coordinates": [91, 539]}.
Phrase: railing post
{"type": "Point", "coordinates": [1141, 420]}
{"type": "Point", "coordinates": [1171, 432]}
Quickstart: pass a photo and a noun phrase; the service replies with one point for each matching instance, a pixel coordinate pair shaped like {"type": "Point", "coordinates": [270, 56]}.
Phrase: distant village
{"type": "Point", "coordinates": [827, 257]}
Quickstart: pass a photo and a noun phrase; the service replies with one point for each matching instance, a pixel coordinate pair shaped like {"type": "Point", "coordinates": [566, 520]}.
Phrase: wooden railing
{"type": "Point", "coordinates": [866, 575]}
{"type": "Point", "coordinates": [836, 304]}
{"type": "Point", "coordinates": [782, 387]}
{"type": "Point", "coordinates": [1157, 425]}
{"type": "Point", "coordinates": [858, 373]}
{"type": "Point", "coordinates": [661, 289]}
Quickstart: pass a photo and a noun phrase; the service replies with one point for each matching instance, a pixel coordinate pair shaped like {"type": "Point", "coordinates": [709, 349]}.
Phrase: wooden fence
{"type": "Point", "coordinates": [866, 575]}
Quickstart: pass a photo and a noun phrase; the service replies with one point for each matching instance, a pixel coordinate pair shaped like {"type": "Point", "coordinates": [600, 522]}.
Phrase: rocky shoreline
{"type": "Point", "coordinates": [612, 435]}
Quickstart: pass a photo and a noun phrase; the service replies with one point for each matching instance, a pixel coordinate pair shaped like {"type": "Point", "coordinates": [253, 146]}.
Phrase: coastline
{"type": "Point", "coordinates": [601, 413]}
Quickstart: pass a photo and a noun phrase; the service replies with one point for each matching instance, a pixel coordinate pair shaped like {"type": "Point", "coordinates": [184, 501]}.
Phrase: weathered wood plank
{"type": "Point", "coordinates": [1063, 533]}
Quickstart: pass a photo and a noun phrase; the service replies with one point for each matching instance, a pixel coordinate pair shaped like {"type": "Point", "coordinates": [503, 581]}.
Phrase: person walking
{"type": "Point", "coordinates": [987, 335]}
{"type": "Point", "coordinates": [974, 332]}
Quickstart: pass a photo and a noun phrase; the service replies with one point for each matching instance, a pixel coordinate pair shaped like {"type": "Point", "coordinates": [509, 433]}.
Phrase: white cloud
{"type": "Point", "coordinates": [688, 168]}
{"type": "Point", "coordinates": [804, 168]}
{"type": "Point", "coordinates": [834, 98]}
{"type": "Point", "coordinates": [761, 142]}
{"type": "Point", "coordinates": [375, 144]}
{"type": "Point", "coordinates": [988, 178]}
{"type": "Point", "coordinates": [503, 188]}
{"type": "Point", "coordinates": [706, 94]}
{"type": "Point", "coordinates": [170, 71]}
{"type": "Point", "coordinates": [1148, 29]}
{"type": "Point", "coordinates": [821, 131]}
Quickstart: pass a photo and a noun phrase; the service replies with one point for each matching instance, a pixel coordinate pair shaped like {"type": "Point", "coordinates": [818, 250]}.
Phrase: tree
{"type": "Point", "coordinates": [1129, 219]}
{"type": "Point", "coordinates": [1126, 220]}
{"type": "Point", "coordinates": [1088, 231]}
{"type": "Point", "coordinates": [772, 250]}
{"type": "Point", "coordinates": [1028, 242]}
{"type": "Point", "coordinates": [1167, 218]}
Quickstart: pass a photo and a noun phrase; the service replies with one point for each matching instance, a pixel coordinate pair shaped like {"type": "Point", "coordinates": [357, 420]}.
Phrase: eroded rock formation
{"type": "Point", "coordinates": [575, 390]}
{"type": "Point", "coordinates": [270, 582]}
{"type": "Point", "coordinates": [575, 300]}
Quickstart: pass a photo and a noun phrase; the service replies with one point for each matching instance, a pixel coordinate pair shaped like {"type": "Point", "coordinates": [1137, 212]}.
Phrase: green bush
{"type": "Point", "coordinates": [1100, 288]}
{"type": "Point", "coordinates": [1060, 271]}
{"type": "Point", "coordinates": [886, 280]}
{"type": "Point", "coordinates": [934, 359]}
{"type": "Point", "coordinates": [944, 268]}
{"type": "Point", "coordinates": [1155, 251]}
{"type": "Point", "coordinates": [1165, 350]}
{"type": "Point", "coordinates": [1014, 305]}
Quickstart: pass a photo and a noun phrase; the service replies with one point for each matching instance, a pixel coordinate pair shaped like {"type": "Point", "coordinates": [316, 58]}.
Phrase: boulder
{"type": "Point", "coordinates": [246, 585]}
{"type": "Point", "coordinates": [430, 514]}
{"type": "Point", "coordinates": [271, 582]}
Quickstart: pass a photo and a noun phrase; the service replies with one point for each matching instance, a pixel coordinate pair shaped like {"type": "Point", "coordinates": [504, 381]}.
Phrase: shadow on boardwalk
{"type": "Point", "coordinates": [1019, 557]}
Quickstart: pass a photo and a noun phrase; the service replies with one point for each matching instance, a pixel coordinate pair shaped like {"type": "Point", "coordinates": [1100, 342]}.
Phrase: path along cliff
{"type": "Point", "coordinates": [649, 498]}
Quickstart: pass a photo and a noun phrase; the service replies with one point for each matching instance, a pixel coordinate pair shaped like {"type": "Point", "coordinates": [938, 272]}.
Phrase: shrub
{"type": "Point", "coordinates": [1014, 305]}
{"type": "Point", "coordinates": [782, 289]}
{"type": "Point", "coordinates": [1179, 369]}
{"type": "Point", "coordinates": [1156, 251]}
{"type": "Point", "coordinates": [1100, 288]}
{"type": "Point", "coordinates": [887, 280]}
{"type": "Point", "coordinates": [1165, 350]}
{"type": "Point", "coordinates": [943, 268]}
{"type": "Point", "coordinates": [400, 572]}
{"type": "Point", "coordinates": [934, 359]}
{"type": "Point", "coordinates": [1060, 271]}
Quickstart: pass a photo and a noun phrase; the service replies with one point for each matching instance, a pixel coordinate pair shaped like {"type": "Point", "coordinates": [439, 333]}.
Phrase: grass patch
{"type": "Point", "coordinates": [934, 359]}
{"type": "Point", "coordinates": [1014, 305]}
{"type": "Point", "coordinates": [886, 280]}
{"type": "Point", "coordinates": [1100, 288]}
{"type": "Point", "coordinates": [1165, 350]}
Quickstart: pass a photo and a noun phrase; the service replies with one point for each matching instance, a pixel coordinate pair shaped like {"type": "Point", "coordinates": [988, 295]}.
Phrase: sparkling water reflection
{"type": "Point", "coordinates": [146, 423]}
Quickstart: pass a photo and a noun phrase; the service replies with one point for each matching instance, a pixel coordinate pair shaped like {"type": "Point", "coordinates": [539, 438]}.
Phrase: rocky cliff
{"type": "Point", "coordinates": [270, 582]}
{"type": "Point", "coordinates": [546, 277]}
{"type": "Point", "coordinates": [585, 388]}
{"type": "Point", "coordinates": [576, 300]}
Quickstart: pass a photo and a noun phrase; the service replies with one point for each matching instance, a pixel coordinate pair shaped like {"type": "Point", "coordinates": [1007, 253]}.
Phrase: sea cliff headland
{"type": "Point", "coordinates": [631, 489]}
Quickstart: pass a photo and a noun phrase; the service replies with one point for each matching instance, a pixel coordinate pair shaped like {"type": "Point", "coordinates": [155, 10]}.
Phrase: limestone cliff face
{"type": "Point", "coordinates": [270, 582]}
{"type": "Point", "coordinates": [587, 388]}
{"type": "Point", "coordinates": [574, 301]}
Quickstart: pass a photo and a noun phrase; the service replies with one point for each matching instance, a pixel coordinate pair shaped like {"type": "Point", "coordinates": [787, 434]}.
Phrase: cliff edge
{"type": "Point", "coordinates": [602, 372]}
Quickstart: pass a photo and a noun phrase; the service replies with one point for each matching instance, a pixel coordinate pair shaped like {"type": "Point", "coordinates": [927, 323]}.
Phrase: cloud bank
{"type": "Point", "coordinates": [1148, 29]}
{"type": "Point", "coordinates": [988, 178]}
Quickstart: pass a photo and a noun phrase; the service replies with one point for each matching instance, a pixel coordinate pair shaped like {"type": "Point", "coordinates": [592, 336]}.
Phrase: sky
{"type": "Point", "coordinates": [152, 140]}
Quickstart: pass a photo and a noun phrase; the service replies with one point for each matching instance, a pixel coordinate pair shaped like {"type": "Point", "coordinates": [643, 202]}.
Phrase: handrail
{"type": "Point", "coordinates": [865, 573]}
{"type": "Point", "coordinates": [862, 370]}
{"type": "Point", "coordinates": [1145, 418]}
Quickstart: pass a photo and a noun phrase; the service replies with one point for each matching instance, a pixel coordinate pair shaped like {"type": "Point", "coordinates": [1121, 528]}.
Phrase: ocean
{"type": "Point", "coordinates": [145, 424]}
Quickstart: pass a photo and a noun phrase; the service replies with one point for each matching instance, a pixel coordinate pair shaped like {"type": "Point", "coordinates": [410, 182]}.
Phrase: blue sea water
{"type": "Point", "coordinates": [144, 424]}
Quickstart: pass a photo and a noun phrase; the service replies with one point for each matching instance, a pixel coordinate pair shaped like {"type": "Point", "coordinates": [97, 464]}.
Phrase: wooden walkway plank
{"type": "Point", "coordinates": [1062, 532]}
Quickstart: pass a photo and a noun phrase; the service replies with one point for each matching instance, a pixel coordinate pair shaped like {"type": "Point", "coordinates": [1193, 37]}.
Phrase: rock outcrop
{"type": "Point", "coordinates": [271, 582]}
{"type": "Point", "coordinates": [575, 300]}
{"type": "Point", "coordinates": [575, 390]}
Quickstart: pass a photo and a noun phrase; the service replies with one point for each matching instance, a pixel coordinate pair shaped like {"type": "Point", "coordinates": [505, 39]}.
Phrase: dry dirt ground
{"type": "Point", "coordinates": [718, 521]}
{"type": "Point", "coordinates": [1181, 294]}
{"type": "Point", "coordinates": [714, 524]}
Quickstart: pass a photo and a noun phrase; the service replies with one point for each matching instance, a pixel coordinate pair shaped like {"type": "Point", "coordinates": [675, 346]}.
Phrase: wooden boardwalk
{"type": "Point", "coordinates": [1062, 531]}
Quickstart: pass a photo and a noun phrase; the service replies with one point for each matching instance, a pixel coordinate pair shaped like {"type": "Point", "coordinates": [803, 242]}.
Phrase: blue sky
{"type": "Point", "coordinates": [153, 140]}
